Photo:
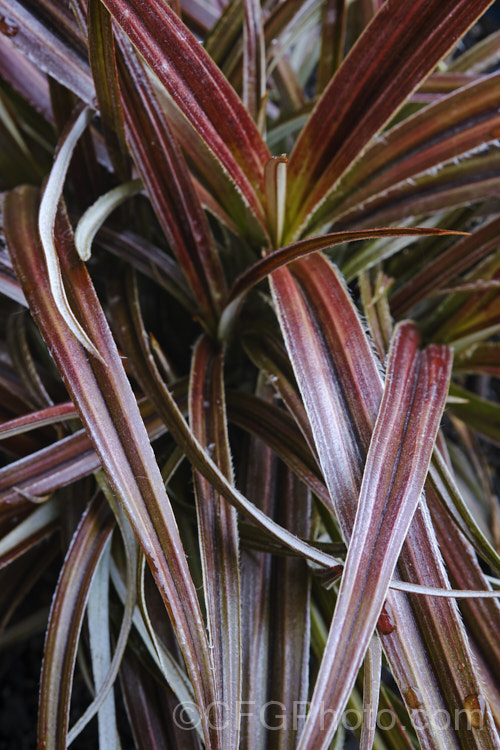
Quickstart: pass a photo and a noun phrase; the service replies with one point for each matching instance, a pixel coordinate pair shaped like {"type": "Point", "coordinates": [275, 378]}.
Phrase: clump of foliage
{"type": "Point", "coordinates": [224, 427]}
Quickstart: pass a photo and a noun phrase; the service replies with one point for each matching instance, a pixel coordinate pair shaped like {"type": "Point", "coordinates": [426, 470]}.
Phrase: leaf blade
{"type": "Point", "coordinates": [165, 174]}
{"type": "Point", "coordinates": [316, 312]}
{"type": "Point", "coordinates": [218, 536]}
{"type": "Point", "coordinates": [413, 400]}
{"type": "Point", "coordinates": [103, 397]}
{"type": "Point", "coordinates": [406, 41]}
{"type": "Point", "coordinates": [66, 619]}
{"type": "Point", "coordinates": [198, 88]}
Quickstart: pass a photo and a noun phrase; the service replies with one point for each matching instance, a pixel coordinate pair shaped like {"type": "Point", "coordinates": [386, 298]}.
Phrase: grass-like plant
{"type": "Point", "coordinates": [251, 255]}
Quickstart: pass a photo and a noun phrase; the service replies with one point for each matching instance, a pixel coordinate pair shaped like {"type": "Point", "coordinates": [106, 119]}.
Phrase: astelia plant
{"type": "Point", "coordinates": [250, 259]}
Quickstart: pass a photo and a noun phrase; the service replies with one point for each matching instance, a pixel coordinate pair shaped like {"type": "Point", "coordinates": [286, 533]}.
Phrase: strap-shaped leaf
{"type": "Point", "coordinates": [108, 409]}
{"type": "Point", "coordinates": [100, 647]}
{"type": "Point", "coordinates": [454, 126]}
{"type": "Point", "coordinates": [302, 248]}
{"type": "Point", "coordinates": [333, 24]}
{"type": "Point", "coordinates": [268, 353]}
{"type": "Point", "coordinates": [170, 187]}
{"type": "Point", "coordinates": [482, 414]}
{"type": "Point", "coordinates": [62, 56]}
{"type": "Point", "coordinates": [311, 350]}
{"type": "Point", "coordinates": [152, 382]}
{"type": "Point", "coordinates": [157, 157]}
{"type": "Point", "coordinates": [371, 692]}
{"type": "Point", "coordinates": [105, 75]}
{"type": "Point", "coordinates": [481, 615]}
{"type": "Point", "coordinates": [474, 178]}
{"type": "Point", "coordinates": [256, 582]}
{"type": "Point", "coordinates": [44, 471]}
{"type": "Point", "coordinates": [151, 709]}
{"type": "Point", "coordinates": [446, 266]}
{"type": "Point", "coordinates": [396, 467]}
{"type": "Point", "coordinates": [150, 260]}
{"type": "Point", "coordinates": [61, 463]}
{"type": "Point", "coordinates": [328, 348]}
{"type": "Point", "coordinates": [28, 533]}
{"type": "Point", "coordinates": [483, 358]}
{"type": "Point", "coordinates": [65, 622]}
{"type": "Point", "coordinates": [9, 286]}
{"type": "Point", "coordinates": [224, 38]}
{"type": "Point", "coordinates": [281, 26]}
{"type": "Point", "coordinates": [25, 76]}
{"type": "Point", "coordinates": [471, 314]}
{"type": "Point", "coordinates": [291, 621]}
{"type": "Point", "coordinates": [198, 88]}
{"type": "Point", "coordinates": [443, 485]}
{"type": "Point", "coordinates": [218, 537]}
{"type": "Point", "coordinates": [279, 432]}
{"type": "Point", "coordinates": [406, 39]}
{"type": "Point", "coordinates": [275, 596]}
{"type": "Point", "coordinates": [438, 85]}
{"type": "Point", "coordinates": [480, 57]}
{"type": "Point", "coordinates": [215, 186]}
{"type": "Point", "coordinates": [254, 63]}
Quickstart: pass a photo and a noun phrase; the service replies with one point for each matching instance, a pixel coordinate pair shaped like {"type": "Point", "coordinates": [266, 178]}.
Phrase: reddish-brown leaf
{"type": "Point", "coordinates": [445, 267]}
{"type": "Point", "coordinates": [105, 75]}
{"type": "Point", "coordinates": [396, 467]}
{"type": "Point", "coordinates": [108, 409]}
{"type": "Point", "coordinates": [218, 537]}
{"type": "Point", "coordinates": [198, 88]}
{"type": "Point", "coordinates": [456, 125]}
{"type": "Point", "coordinates": [65, 622]}
{"type": "Point", "coordinates": [406, 39]}
{"type": "Point", "coordinates": [170, 188]}
{"type": "Point", "coordinates": [341, 387]}
{"type": "Point", "coordinates": [60, 55]}
{"type": "Point", "coordinates": [302, 248]}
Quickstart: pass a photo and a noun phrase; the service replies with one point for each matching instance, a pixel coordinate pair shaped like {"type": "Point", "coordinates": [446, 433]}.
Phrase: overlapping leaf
{"type": "Point", "coordinates": [481, 614]}
{"type": "Point", "coordinates": [65, 622]}
{"type": "Point", "coordinates": [325, 437]}
{"type": "Point", "coordinates": [254, 68]}
{"type": "Point", "coordinates": [470, 181]}
{"type": "Point", "coordinates": [327, 346]}
{"type": "Point", "coordinates": [105, 75]}
{"type": "Point", "coordinates": [135, 343]}
{"type": "Point", "coordinates": [440, 271]}
{"type": "Point", "coordinates": [479, 413]}
{"type": "Point", "coordinates": [170, 188]}
{"type": "Point", "coordinates": [256, 583]}
{"type": "Point", "coordinates": [291, 625]}
{"type": "Point", "coordinates": [406, 40]}
{"type": "Point", "coordinates": [278, 431]}
{"type": "Point", "coordinates": [395, 471]}
{"type": "Point", "coordinates": [456, 125]}
{"type": "Point", "coordinates": [302, 248]}
{"type": "Point", "coordinates": [483, 358]}
{"type": "Point", "coordinates": [109, 411]}
{"type": "Point", "coordinates": [54, 56]}
{"type": "Point", "coordinates": [199, 90]}
{"type": "Point", "coordinates": [218, 535]}
{"type": "Point", "coordinates": [332, 41]}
